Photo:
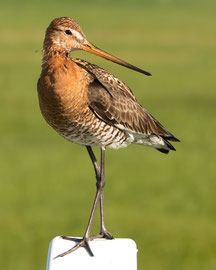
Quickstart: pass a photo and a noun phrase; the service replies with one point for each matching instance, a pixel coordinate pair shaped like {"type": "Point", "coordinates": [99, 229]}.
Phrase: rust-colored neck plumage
{"type": "Point", "coordinates": [51, 49]}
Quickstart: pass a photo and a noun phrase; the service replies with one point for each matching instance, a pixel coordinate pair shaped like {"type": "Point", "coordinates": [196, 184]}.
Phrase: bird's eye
{"type": "Point", "coordinates": [68, 32]}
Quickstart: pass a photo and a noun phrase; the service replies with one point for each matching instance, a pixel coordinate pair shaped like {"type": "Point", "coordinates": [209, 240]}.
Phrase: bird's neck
{"type": "Point", "coordinates": [51, 50]}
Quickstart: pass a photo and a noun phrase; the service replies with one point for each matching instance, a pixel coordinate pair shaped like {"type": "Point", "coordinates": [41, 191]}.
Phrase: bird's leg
{"type": "Point", "coordinates": [100, 177]}
{"type": "Point", "coordinates": [99, 196]}
{"type": "Point", "coordinates": [103, 231]}
{"type": "Point", "coordinates": [94, 162]}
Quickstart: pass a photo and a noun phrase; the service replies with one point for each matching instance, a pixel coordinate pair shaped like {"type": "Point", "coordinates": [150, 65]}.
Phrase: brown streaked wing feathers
{"type": "Point", "coordinates": [114, 103]}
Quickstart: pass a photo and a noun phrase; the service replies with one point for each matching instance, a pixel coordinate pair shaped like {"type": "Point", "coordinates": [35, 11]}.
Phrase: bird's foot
{"type": "Point", "coordinates": [105, 234]}
{"type": "Point", "coordinates": [84, 242]}
{"type": "Point", "coordinates": [81, 242]}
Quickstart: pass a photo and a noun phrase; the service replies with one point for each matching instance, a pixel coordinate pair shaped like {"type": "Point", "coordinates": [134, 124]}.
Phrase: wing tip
{"type": "Point", "coordinates": [168, 144]}
{"type": "Point", "coordinates": [164, 151]}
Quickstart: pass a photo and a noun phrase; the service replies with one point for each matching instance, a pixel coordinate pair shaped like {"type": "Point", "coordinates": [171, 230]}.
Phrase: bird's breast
{"type": "Point", "coordinates": [62, 92]}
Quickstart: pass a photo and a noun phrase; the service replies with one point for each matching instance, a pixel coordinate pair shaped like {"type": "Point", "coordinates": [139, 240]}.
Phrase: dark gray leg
{"type": "Point", "coordinates": [100, 176]}
{"type": "Point", "coordinates": [103, 231]}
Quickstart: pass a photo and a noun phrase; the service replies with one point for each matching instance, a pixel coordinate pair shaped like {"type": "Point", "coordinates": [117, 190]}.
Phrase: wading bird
{"type": "Point", "coordinates": [88, 106]}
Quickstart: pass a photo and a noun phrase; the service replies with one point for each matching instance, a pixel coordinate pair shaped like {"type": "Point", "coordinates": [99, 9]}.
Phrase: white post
{"type": "Point", "coordinates": [113, 254]}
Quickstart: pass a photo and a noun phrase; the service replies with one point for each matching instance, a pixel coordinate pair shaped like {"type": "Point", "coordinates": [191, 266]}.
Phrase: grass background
{"type": "Point", "coordinates": [165, 203]}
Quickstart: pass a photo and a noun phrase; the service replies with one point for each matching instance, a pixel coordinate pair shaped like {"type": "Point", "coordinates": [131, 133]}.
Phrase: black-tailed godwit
{"type": "Point", "coordinates": [89, 106]}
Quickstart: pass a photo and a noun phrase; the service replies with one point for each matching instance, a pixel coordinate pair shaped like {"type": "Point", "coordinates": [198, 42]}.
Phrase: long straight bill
{"type": "Point", "coordinates": [87, 46]}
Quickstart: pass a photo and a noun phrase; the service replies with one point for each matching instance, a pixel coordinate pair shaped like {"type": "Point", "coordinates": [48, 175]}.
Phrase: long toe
{"type": "Point", "coordinates": [75, 239]}
{"type": "Point", "coordinates": [83, 242]}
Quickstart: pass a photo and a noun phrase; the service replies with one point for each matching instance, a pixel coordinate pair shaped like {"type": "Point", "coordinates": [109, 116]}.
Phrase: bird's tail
{"type": "Point", "coordinates": [165, 136]}
{"type": "Point", "coordinates": [169, 146]}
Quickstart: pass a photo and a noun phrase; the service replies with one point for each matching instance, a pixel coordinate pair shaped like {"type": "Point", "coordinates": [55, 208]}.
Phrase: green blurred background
{"type": "Point", "coordinates": [166, 203]}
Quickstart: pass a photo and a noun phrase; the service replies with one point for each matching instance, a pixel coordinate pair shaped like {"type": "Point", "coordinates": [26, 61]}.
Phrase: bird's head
{"type": "Point", "coordinates": [64, 33]}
